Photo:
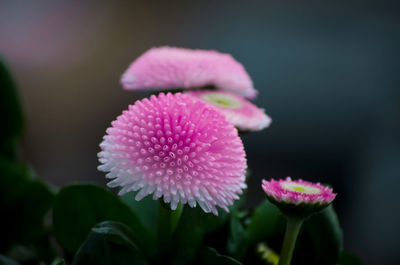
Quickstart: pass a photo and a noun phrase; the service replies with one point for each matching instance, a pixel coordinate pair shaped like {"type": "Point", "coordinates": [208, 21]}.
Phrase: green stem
{"type": "Point", "coordinates": [293, 226]}
{"type": "Point", "coordinates": [164, 223]}
{"type": "Point", "coordinates": [175, 217]}
{"type": "Point", "coordinates": [167, 223]}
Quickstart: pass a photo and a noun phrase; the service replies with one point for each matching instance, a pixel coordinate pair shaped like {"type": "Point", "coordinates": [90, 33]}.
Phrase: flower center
{"type": "Point", "coordinates": [222, 100]}
{"type": "Point", "coordinates": [297, 187]}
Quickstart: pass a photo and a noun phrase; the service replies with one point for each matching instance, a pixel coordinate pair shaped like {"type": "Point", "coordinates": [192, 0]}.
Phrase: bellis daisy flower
{"type": "Point", "coordinates": [298, 196]}
{"type": "Point", "coordinates": [297, 200]}
{"type": "Point", "coordinates": [170, 67]}
{"type": "Point", "coordinates": [176, 147]}
{"type": "Point", "coordinates": [240, 112]}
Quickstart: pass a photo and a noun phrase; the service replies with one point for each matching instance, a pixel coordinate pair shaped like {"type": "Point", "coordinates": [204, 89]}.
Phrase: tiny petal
{"type": "Point", "coordinates": [298, 197]}
{"type": "Point", "coordinates": [239, 111]}
{"type": "Point", "coordinates": [171, 67]}
{"type": "Point", "coordinates": [176, 147]}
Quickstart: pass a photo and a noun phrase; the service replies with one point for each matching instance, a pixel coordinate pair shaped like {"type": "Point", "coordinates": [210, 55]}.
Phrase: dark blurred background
{"type": "Point", "coordinates": [327, 72]}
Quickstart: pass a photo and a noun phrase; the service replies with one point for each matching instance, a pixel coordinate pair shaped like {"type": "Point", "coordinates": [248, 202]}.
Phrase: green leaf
{"type": "Point", "coordinates": [12, 117]}
{"type": "Point", "coordinates": [145, 209]}
{"type": "Point", "coordinates": [237, 235]}
{"type": "Point", "coordinates": [347, 258]}
{"type": "Point", "coordinates": [117, 233]}
{"type": "Point", "coordinates": [193, 226]}
{"type": "Point", "coordinates": [266, 222]}
{"type": "Point", "coordinates": [79, 207]}
{"type": "Point", "coordinates": [110, 243]}
{"type": "Point", "coordinates": [326, 236]}
{"type": "Point", "coordinates": [211, 257]}
{"type": "Point", "coordinates": [24, 202]}
{"type": "Point", "coordinates": [6, 261]}
{"type": "Point", "coordinates": [58, 261]}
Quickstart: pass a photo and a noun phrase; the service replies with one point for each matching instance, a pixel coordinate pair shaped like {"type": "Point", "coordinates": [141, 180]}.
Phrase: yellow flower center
{"type": "Point", "coordinates": [300, 188]}
{"type": "Point", "coordinates": [223, 100]}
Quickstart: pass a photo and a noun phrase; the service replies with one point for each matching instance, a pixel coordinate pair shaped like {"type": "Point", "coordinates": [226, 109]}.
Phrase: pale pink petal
{"type": "Point", "coordinates": [170, 67]}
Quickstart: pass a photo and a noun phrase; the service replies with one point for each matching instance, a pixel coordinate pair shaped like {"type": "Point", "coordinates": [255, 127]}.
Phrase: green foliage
{"type": "Point", "coordinates": [265, 223]}
{"type": "Point", "coordinates": [237, 236]}
{"type": "Point", "coordinates": [110, 243]}
{"type": "Point", "coordinates": [194, 225]}
{"type": "Point", "coordinates": [145, 209]}
{"type": "Point", "coordinates": [211, 257]}
{"type": "Point", "coordinates": [12, 117]}
{"type": "Point", "coordinates": [58, 261]}
{"type": "Point", "coordinates": [78, 208]}
{"type": "Point", "coordinates": [24, 201]}
{"type": "Point", "coordinates": [323, 232]}
{"type": "Point", "coordinates": [320, 242]}
{"type": "Point", "coordinates": [267, 255]}
{"type": "Point", "coordinates": [7, 261]}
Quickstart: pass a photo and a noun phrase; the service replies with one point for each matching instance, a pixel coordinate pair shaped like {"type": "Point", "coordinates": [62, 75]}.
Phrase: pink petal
{"type": "Point", "coordinates": [170, 67]}
{"type": "Point", "coordinates": [240, 112]}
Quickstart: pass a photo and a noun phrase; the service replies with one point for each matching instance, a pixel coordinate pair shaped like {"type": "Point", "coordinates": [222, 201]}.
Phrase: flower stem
{"type": "Point", "coordinates": [167, 222]}
{"type": "Point", "coordinates": [293, 226]}
{"type": "Point", "coordinates": [164, 222]}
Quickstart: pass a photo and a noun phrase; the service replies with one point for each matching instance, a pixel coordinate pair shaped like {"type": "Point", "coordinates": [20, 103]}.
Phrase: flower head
{"type": "Point", "coordinates": [176, 147]}
{"type": "Point", "coordinates": [298, 197]}
{"type": "Point", "coordinates": [170, 67]}
{"type": "Point", "coordinates": [240, 112]}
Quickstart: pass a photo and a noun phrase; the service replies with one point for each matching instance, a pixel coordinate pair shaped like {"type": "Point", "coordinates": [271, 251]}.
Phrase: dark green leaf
{"type": "Point", "coordinates": [237, 235]}
{"type": "Point", "coordinates": [79, 207]}
{"type": "Point", "coordinates": [193, 226]}
{"type": "Point", "coordinates": [325, 233]}
{"type": "Point", "coordinates": [6, 261]}
{"type": "Point", "coordinates": [58, 261]}
{"type": "Point", "coordinates": [117, 233]}
{"type": "Point", "coordinates": [348, 258]}
{"type": "Point", "coordinates": [211, 257]}
{"type": "Point", "coordinates": [24, 201]}
{"type": "Point", "coordinates": [12, 117]}
{"type": "Point", "coordinates": [145, 209]}
{"type": "Point", "coordinates": [110, 243]}
{"type": "Point", "coordinates": [265, 222]}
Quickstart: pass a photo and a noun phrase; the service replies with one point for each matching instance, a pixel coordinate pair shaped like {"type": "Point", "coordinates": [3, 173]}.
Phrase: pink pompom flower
{"type": "Point", "coordinates": [240, 112]}
{"type": "Point", "coordinates": [171, 67]}
{"type": "Point", "coordinates": [298, 197]}
{"type": "Point", "coordinates": [176, 147]}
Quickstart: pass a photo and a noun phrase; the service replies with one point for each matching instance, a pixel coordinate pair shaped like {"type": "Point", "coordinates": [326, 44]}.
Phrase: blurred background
{"type": "Point", "coordinates": [327, 72]}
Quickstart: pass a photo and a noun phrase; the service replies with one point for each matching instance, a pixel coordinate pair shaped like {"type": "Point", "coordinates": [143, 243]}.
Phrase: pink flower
{"type": "Point", "coordinates": [170, 67]}
{"type": "Point", "coordinates": [240, 112]}
{"type": "Point", "coordinates": [298, 198]}
{"type": "Point", "coordinates": [298, 191]}
{"type": "Point", "coordinates": [176, 147]}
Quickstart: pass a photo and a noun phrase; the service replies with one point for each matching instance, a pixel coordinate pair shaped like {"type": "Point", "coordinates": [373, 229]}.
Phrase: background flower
{"type": "Point", "coordinates": [170, 67]}
{"type": "Point", "coordinates": [298, 191]}
{"type": "Point", "coordinates": [298, 198]}
{"type": "Point", "coordinates": [240, 112]}
{"type": "Point", "coordinates": [176, 147]}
